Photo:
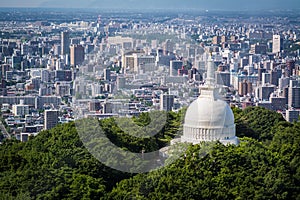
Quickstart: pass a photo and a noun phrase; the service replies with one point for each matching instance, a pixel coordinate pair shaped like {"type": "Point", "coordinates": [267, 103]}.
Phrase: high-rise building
{"type": "Point", "coordinates": [45, 76]}
{"type": "Point", "coordinates": [266, 78]}
{"type": "Point", "coordinates": [65, 43]}
{"type": "Point", "coordinates": [107, 74]}
{"type": "Point", "coordinates": [223, 78]}
{"type": "Point", "coordinates": [216, 40]}
{"type": "Point", "coordinates": [4, 69]}
{"type": "Point", "coordinates": [44, 90]}
{"type": "Point", "coordinates": [121, 82]}
{"type": "Point", "coordinates": [268, 65]}
{"type": "Point", "coordinates": [277, 43]}
{"type": "Point", "coordinates": [278, 103]}
{"type": "Point", "coordinates": [142, 61]}
{"type": "Point", "coordinates": [62, 89]}
{"type": "Point", "coordinates": [25, 49]}
{"type": "Point", "coordinates": [16, 62]}
{"type": "Point", "coordinates": [97, 89]}
{"type": "Point", "coordinates": [168, 47]}
{"type": "Point", "coordinates": [36, 82]}
{"type": "Point", "coordinates": [166, 102]}
{"type": "Point", "coordinates": [260, 72]}
{"type": "Point", "coordinates": [290, 67]}
{"type": "Point", "coordinates": [244, 62]}
{"type": "Point", "coordinates": [283, 82]}
{"type": "Point", "coordinates": [274, 77]}
{"type": "Point", "coordinates": [3, 89]}
{"type": "Point", "coordinates": [192, 72]}
{"type": "Point", "coordinates": [292, 115]}
{"type": "Point", "coordinates": [285, 93]}
{"type": "Point", "coordinates": [175, 65]}
{"type": "Point", "coordinates": [95, 105]}
{"type": "Point", "coordinates": [77, 54]}
{"type": "Point", "coordinates": [57, 49]}
{"type": "Point", "coordinates": [294, 94]}
{"type": "Point", "coordinates": [20, 109]}
{"type": "Point", "coordinates": [40, 101]}
{"type": "Point", "coordinates": [63, 75]}
{"type": "Point", "coordinates": [50, 119]}
{"type": "Point", "coordinates": [107, 107]}
{"type": "Point", "coordinates": [258, 49]}
{"type": "Point", "coordinates": [297, 70]}
{"type": "Point", "coordinates": [265, 91]}
{"type": "Point", "coordinates": [245, 88]}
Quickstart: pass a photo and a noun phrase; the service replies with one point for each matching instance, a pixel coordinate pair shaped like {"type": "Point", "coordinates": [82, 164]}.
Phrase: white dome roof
{"type": "Point", "coordinates": [209, 118]}
{"type": "Point", "coordinates": [209, 113]}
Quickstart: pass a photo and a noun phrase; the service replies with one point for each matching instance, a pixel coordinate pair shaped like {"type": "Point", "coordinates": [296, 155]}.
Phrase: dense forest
{"type": "Point", "coordinates": [57, 165]}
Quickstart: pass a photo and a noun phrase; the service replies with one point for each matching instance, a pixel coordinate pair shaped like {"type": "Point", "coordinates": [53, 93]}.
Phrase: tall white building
{"type": "Point", "coordinates": [277, 43]}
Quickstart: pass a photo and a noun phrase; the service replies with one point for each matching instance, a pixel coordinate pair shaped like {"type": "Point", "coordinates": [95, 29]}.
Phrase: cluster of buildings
{"type": "Point", "coordinates": [55, 72]}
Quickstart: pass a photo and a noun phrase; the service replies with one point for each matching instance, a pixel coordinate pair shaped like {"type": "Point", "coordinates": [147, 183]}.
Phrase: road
{"type": "Point", "coordinates": [4, 131]}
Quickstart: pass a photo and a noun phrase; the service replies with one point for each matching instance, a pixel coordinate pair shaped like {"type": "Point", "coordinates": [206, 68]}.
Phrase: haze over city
{"type": "Point", "coordinates": [156, 4]}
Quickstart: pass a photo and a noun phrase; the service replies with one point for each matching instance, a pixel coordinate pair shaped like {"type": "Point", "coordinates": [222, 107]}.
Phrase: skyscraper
{"type": "Point", "coordinates": [107, 74]}
{"type": "Point", "coordinates": [258, 49]}
{"type": "Point", "coordinates": [166, 102]}
{"type": "Point", "coordinates": [121, 82]}
{"type": "Point", "coordinates": [294, 94]}
{"type": "Point", "coordinates": [168, 47]}
{"type": "Point", "coordinates": [65, 43]}
{"type": "Point", "coordinates": [265, 91]}
{"type": "Point", "coordinates": [107, 107]}
{"type": "Point", "coordinates": [77, 54]}
{"type": "Point", "coordinates": [277, 43]}
{"type": "Point", "coordinates": [266, 78]}
{"type": "Point", "coordinates": [175, 65]}
{"type": "Point", "coordinates": [50, 119]}
{"type": "Point", "coordinates": [245, 87]}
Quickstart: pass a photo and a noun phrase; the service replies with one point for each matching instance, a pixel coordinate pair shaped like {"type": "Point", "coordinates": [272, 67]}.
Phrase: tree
{"type": "Point", "coordinates": [256, 122]}
{"type": "Point", "coordinates": [57, 165]}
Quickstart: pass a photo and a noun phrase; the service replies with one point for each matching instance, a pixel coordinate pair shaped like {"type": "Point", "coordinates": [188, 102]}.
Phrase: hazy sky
{"type": "Point", "coordinates": [150, 4]}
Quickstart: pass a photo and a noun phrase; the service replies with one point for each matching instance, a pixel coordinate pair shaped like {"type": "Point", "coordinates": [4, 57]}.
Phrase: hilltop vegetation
{"type": "Point", "coordinates": [56, 165]}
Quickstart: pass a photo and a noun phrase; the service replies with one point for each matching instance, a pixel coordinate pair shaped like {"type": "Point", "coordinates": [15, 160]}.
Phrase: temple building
{"type": "Point", "coordinates": [209, 118]}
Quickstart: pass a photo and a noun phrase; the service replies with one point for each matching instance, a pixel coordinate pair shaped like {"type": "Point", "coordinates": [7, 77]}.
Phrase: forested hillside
{"type": "Point", "coordinates": [56, 165]}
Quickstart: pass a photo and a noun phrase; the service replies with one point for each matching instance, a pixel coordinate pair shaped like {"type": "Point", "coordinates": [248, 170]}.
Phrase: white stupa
{"type": "Point", "coordinates": [209, 118]}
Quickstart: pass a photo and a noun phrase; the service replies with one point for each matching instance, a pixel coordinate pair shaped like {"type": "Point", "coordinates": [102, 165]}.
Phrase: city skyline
{"type": "Point", "coordinates": [155, 4]}
{"type": "Point", "coordinates": [84, 91]}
